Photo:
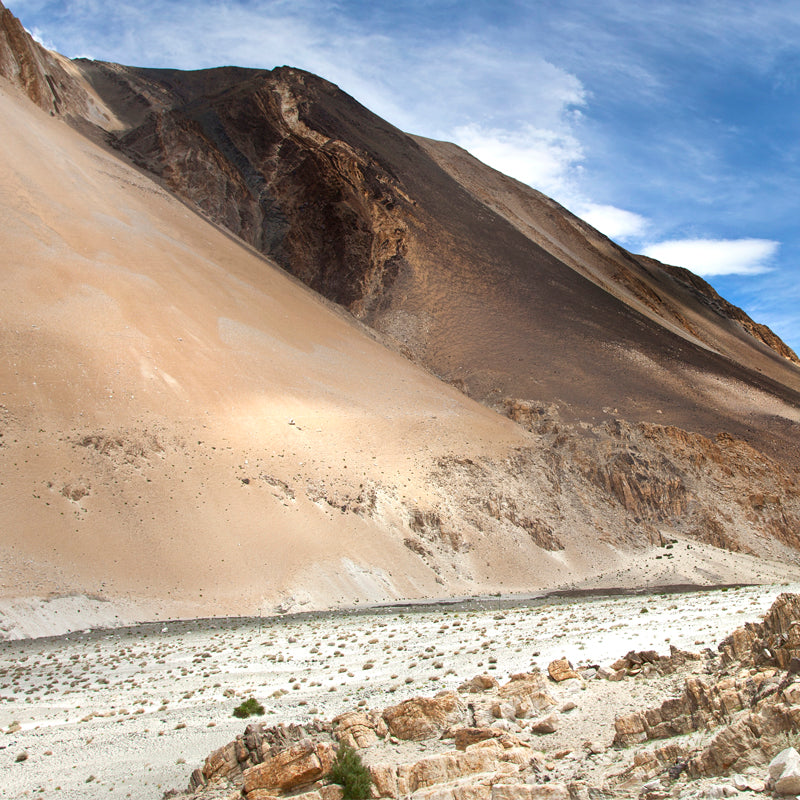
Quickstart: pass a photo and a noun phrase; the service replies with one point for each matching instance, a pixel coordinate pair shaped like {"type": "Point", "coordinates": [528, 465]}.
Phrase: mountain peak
{"type": "Point", "coordinates": [461, 387]}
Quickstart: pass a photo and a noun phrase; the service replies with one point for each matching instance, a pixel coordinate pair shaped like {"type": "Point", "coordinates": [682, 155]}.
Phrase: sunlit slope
{"type": "Point", "coordinates": [182, 420]}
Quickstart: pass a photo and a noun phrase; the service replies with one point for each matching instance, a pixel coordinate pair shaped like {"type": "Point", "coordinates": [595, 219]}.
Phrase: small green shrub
{"type": "Point", "coordinates": [351, 774]}
{"type": "Point", "coordinates": [249, 708]}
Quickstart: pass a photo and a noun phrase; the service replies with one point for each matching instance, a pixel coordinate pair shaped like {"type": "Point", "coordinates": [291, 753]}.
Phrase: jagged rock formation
{"type": "Point", "coordinates": [487, 761]}
{"type": "Point", "coordinates": [323, 208]}
{"type": "Point", "coordinates": [740, 717]}
{"type": "Point", "coordinates": [750, 702]}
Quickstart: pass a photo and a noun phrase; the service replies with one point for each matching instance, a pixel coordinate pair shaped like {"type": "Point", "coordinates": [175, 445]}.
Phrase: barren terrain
{"type": "Point", "coordinates": [130, 713]}
{"type": "Point", "coordinates": [186, 430]}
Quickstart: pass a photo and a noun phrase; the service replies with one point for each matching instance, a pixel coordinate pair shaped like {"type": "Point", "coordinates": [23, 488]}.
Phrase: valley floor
{"type": "Point", "coordinates": [130, 713]}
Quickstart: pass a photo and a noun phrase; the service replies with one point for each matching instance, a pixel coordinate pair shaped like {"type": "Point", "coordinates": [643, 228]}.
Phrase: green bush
{"type": "Point", "coordinates": [351, 774]}
{"type": "Point", "coordinates": [249, 708]}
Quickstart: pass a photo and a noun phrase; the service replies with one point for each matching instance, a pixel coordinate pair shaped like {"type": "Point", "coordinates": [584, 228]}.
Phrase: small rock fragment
{"type": "Point", "coordinates": [561, 670]}
{"type": "Point", "coordinates": [548, 724]}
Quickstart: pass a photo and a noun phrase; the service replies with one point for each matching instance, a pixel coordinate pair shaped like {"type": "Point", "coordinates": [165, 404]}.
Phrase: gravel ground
{"type": "Point", "coordinates": [129, 713]}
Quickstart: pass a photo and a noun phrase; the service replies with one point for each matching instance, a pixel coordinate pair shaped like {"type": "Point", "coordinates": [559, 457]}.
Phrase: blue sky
{"type": "Point", "coordinates": [673, 126]}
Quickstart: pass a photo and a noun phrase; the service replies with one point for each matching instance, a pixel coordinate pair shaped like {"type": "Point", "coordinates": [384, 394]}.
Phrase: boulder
{"type": "Point", "coordinates": [405, 779]}
{"type": "Point", "coordinates": [482, 716]}
{"type": "Point", "coordinates": [464, 789]}
{"type": "Point", "coordinates": [747, 783]}
{"type": "Point", "coordinates": [480, 683]}
{"type": "Point", "coordinates": [531, 680]}
{"type": "Point", "coordinates": [384, 780]}
{"type": "Point", "coordinates": [221, 763]}
{"type": "Point", "coordinates": [504, 711]}
{"type": "Point", "coordinates": [522, 756]}
{"type": "Point", "coordinates": [605, 673]}
{"type": "Point", "coordinates": [426, 717]}
{"type": "Point", "coordinates": [784, 772]}
{"type": "Point", "coordinates": [358, 729]}
{"type": "Point", "coordinates": [464, 737]}
{"type": "Point", "coordinates": [561, 670]}
{"type": "Point", "coordinates": [526, 693]}
{"type": "Point", "coordinates": [789, 782]}
{"type": "Point", "coordinates": [630, 729]}
{"type": "Point", "coordinates": [296, 766]}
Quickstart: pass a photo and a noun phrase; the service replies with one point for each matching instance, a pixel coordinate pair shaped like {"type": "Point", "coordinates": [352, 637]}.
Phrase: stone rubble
{"type": "Point", "coordinates": [728, 733]}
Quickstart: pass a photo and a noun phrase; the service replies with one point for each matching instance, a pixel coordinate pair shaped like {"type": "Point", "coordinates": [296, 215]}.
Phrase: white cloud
{"type": "Point", "coordinates": [39, 36]}
{"type": "Point", "coordinates": [716, 256]}
{"type": "Point", "coordinates": [550, 161]}
{"type": "Point", "coordinates": [544, 159]}
{"type": "Point", "coordinates": [616, 223]}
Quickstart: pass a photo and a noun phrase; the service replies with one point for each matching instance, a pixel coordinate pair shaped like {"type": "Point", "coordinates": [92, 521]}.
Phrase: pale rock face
{"type": "Point", "coordinates": [464, 737]}
{"type": "Point", "coordinates": [523, 791]}
{"type": "Point", "coordinates": [561, 670]}
{"type": "Point", "coordinates": [630, 729]}
{"type": "Point", "coordinates": [358, 729]}
{"type": "Point", "coordinates": [784, 772]}
{"type": "Point", "coordinates": [480, 683]}
{"type": "Point", "coordinates": [425, 717]}
{"type": "Point", "coordinates": [548, 724]}
{"type": "Point", "coordinates": [299, 765]}
{"type": "Point", "coordinates": [526, 693]}
{"type": "Point", "coordinates": [503, 711]}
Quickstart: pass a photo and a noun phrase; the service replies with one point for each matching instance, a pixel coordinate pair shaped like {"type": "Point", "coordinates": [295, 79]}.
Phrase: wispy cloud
{"type": "Point", "coordinates": [545, 159]}
{"type": "Point", "coordinates": [616, 223]}
{"type": "Point", "coordinates": [709, 257]}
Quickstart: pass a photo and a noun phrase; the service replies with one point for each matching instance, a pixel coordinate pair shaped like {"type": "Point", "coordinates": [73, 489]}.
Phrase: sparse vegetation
{"type": "Point", "coordinates": [351, 774]}
{"type": "Point", "coordinates": [249, 708]}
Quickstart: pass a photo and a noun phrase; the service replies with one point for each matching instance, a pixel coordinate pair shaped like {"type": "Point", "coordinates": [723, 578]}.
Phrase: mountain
{"type": "Point", "coordinates": [460, 387]}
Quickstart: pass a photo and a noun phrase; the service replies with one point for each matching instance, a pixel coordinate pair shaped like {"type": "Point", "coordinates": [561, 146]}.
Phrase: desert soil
{"type": "Point", "coordinates": [131, 712]}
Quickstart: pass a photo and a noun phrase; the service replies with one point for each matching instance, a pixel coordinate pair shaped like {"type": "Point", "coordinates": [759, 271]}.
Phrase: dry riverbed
{"type": "Point", "coordinates": [129, 713]}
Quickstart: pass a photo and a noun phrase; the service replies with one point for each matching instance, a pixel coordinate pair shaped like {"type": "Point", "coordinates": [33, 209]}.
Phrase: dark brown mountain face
{"type": "Point", "coordinates": [645, 401]}
{"type": "Point", "coordinates": [235, 143]}
{"type": "Point", "coordinates": [488, 283]}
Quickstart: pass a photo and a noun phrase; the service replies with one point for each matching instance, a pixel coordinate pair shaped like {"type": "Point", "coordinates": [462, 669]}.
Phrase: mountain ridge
{"type": "Point", "coordinates": [189, 428]}
{"type": "Point", "coordinates": [354, 195]}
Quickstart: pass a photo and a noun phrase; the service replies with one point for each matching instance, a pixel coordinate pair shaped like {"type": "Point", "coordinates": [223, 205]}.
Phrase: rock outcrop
{"type": "Point", "coordinates": [426, 717]}
{"type": "Point", "coordinates": [773, 642]}
{"type": "Point", "coordinates": [720, 736]}
{"type": "Point", "coordinates": [749, 702]}
{"type": "Point", "coordinates": [299, 765]}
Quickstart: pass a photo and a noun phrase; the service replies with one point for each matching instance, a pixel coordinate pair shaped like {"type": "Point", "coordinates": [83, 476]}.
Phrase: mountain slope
{"type": "Point", "coordinates": [187, 429]}
{"type": "Point", "coordinates": [532, 304]}
{"type": "Point", "coordinates": [180, 421]}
